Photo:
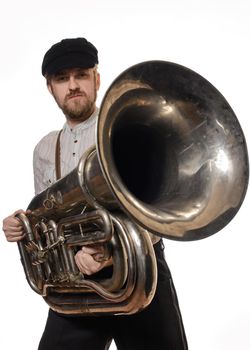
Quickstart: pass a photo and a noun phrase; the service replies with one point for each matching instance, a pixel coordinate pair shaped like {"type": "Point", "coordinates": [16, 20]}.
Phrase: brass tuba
{"type": "Point", "coordinates": [170, 159]}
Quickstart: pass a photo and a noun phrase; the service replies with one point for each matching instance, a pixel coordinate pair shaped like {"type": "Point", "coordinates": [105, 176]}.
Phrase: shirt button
{"type": "Point", "coordinates": [74, 154]}
{"type": "Point", "coordinates": [75, 141]}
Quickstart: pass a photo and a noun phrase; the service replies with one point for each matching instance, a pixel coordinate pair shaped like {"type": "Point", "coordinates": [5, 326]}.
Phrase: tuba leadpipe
{"type": "Point", "coordinates": [170, 160]}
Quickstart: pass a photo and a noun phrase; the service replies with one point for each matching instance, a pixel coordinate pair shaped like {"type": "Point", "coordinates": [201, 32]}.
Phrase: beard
{"type": "Point", "coordinates": [79, 109]}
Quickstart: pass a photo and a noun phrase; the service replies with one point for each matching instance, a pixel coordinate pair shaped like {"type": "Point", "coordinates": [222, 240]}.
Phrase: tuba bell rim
{"type": "Point", "coordinates": [169, 222]}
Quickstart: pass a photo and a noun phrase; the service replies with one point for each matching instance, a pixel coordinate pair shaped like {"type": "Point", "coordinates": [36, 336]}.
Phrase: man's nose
{"type": "Point", "coordinates": [73, 84]}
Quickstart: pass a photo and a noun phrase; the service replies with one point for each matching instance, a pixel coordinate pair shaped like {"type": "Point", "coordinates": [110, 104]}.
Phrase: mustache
{"type": "Point", "coordinates": [75, 93]}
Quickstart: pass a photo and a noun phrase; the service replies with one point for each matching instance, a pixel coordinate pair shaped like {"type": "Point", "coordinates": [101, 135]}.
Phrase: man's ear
{"type": "Point", "coordinates": [49, 86]}
{"type": "Point", "coordinates": [98, 80]}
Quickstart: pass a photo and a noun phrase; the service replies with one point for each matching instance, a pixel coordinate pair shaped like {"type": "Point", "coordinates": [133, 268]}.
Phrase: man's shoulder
{"type": "Point", "coordinates": [50, 137]}
{"type": "Point", "coordinates": [47, 141]}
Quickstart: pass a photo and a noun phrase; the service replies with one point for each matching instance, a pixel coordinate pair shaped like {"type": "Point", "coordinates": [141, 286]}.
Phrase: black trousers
{"type": "Point", "coordinates": [158, 327]}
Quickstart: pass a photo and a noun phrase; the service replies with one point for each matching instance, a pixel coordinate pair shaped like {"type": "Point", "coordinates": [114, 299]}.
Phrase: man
{"type": "Point", "coordinates": [70, 69]}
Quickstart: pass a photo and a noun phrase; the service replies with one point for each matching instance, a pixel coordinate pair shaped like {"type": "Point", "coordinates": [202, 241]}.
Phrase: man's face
{"type": "Point", "coordinates": [75, 92]}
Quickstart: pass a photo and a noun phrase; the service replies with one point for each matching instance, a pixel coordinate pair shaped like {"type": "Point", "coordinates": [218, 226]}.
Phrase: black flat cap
{"type": "Point", "coordinates": [69, 53]}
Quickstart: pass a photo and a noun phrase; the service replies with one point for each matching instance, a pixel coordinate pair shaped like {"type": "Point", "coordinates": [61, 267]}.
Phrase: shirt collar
{"type": "Point", "coordinates": [84, 125]}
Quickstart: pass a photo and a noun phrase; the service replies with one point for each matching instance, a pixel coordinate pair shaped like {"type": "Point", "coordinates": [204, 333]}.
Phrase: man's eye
{"type": "Point", "coordinates": [61, 78]}
{"type": "Point", "coordinates": [81, 75]}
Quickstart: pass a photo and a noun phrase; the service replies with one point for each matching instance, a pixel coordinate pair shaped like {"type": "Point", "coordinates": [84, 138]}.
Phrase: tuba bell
{"type": "Point", "coordinates": [170, 160]}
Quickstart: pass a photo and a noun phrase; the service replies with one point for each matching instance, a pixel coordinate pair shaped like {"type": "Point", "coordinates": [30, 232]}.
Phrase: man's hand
{"type": "Point", "coordinates": [90, 260]}
{"type": "Point", "coordinates": [13, 228]}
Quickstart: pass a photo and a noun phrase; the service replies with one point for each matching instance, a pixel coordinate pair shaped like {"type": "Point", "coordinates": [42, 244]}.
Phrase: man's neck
{"type": "Point", "coordinates": [73, 123]}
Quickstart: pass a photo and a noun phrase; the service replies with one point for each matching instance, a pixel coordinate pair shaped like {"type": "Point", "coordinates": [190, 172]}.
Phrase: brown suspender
{"type": "Point", "coordinates": [58, 157]}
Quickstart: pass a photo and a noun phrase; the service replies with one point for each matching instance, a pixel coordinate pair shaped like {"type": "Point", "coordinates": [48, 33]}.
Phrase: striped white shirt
{"type": "Point", "coordinates": [73, 143]}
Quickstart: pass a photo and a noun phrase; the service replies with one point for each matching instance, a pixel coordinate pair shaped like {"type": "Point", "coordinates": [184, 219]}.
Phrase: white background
{"type": "Point", "coordinates": [211, 37]}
